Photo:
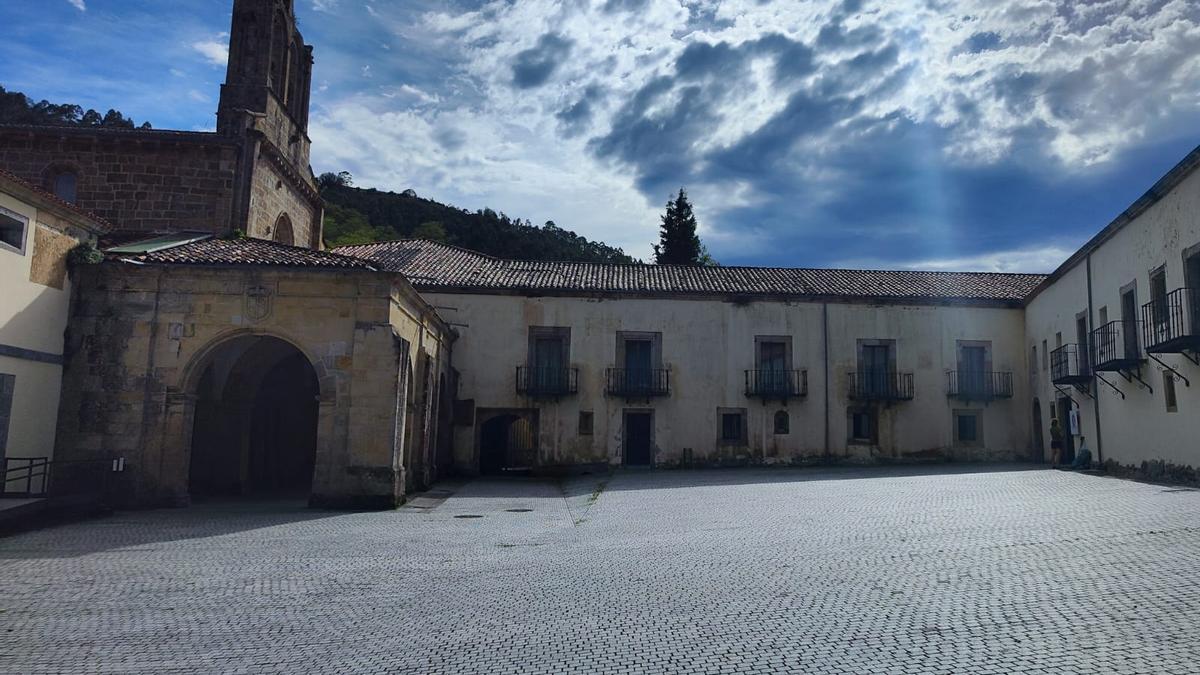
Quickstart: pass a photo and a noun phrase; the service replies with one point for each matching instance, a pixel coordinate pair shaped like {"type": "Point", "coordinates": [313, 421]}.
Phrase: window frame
{"type": "Point", "coordinates": [872, 416]}
{"type": "Point", "coordinates": [976, 442]}
{"type": "Point", "coordinates": [24, 222]}
{"type": "Point", "coordinates": [588, 429]}
{"type": "Point", "coordinates": [786, 426]}
{"type": "Point", "coordinates": [743, 434]}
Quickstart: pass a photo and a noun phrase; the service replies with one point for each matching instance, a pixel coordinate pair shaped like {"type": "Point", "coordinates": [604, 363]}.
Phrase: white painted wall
{"type": "Point", "coordinates": [707, 345]}
{"type": "Point", "coordinates": [33, 317]}
{"type": "Point", "coordinates": [1138, 427]}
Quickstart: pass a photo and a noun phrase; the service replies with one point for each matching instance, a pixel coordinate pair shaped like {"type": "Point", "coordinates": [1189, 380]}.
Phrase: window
{"type": "Point", "coordinates": [861, 423]}
{"type": "Point", "coordinates": [283, 230]}
{"type": "Point", "coordinates": [876, 366]}
{"type": "Point", "coordinates": [773, 361]}
{"type": "Point", "coordinates": [783, 423]}
{"type": "Point", "coordinates": [639, 363]}
{"type": "Point", "coordinates": [974, 365]}
{"type": "Point", "coordinates": [1045, 356]}
{"type": "Point", "coordinates": [12, 230]}
{"type": "Point", "coordinates": [585, 422]}
{"type": "Point", "coordinates": [65, 185]}
{"type": "Point", "coordinates": [733, 426]}
{"type": "Point", "coordinates": [1169, 392]}
{"type": "Point", "coordinates": [1158, 295]}
{"type": "Point", "coordinates": [1129, 323]}
{"type": "Point", "coordinates": [1033, 361]}
{"type": "Point", "coordinates": [7, 388]}
{"type": "Point", "coordinates": [548, 357]}
{"type": "Point", "coordinates": [968, 428]}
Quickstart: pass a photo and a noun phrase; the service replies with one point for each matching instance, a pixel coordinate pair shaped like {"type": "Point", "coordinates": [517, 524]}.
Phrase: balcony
{"type": "Point", "coordinates": [539, 382]}
{"type": "Point", "coordinates": [1171, 324]}
{"type": "Point", "coordinates": [1115, 347]}
{"type": "Point", "coordinates": [638, 383]}
{"type": "Point", "coordinates": [1069, 365]}
{"type": "Point", "coordinates": [871, 385]}
{"type": "Point", "coordinates": [776, 384]}
{"type": "Point", "coordinates": [970, 385]}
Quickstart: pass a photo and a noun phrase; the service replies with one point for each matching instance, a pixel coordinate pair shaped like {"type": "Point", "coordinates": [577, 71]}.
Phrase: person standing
{"type": "Point", "coordinates": [1056, 439]}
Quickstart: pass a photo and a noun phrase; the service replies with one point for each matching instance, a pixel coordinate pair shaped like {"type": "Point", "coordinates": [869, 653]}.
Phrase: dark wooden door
{"type": "Point", "coordinates": [637, 438]}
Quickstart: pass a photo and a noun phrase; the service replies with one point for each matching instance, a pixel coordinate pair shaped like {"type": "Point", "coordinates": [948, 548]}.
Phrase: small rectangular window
{"type": "Point", "coordinates": [585, 422]}
{"type": "Point", "coordinates": [967, 427]}
{"type": "Point", "coordinates": [733, 426]}
{"type": "Point", "coordinates": [1045, 356]}
{"type": "Point", "coordinates": [1169, 392]}
{"type": "Point", "coordinates": [862, 427]}
{"type": "Point", "coordinates": [12, 230]}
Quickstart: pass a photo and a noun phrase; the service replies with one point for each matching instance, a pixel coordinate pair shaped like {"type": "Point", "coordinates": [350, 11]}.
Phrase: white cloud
{"type": "Point", "coordinates": [324, 5]}
{"type": "Point", "coordinates": [1041, 260]}
{"type": "Point", "coordinates": [215, 50]}
{"type": "Point", "coordinates": [78, 4]}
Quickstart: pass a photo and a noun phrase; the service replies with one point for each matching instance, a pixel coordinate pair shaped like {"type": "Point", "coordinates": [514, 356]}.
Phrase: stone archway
{"type": "Point", "coordinates": [255, 422]}
{"type": "Point", "coordinates": [283, 232]}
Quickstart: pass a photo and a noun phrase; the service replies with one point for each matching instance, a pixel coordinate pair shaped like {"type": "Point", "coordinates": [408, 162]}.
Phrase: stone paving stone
{"type": "Point", "coordinates": [927, 570]}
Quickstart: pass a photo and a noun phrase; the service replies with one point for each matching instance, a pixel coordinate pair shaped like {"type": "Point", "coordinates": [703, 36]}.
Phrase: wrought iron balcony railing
{"type": "Point", "coordinates": [971, 385]}
{"type": "Point", "coordinates": [1069, 365]}
{"type": "Point", "coordinates": [638, 382]}
{"type": "Point", "coordinates": [547, 382]}
{"type": "Point", "coordinates": [1115, 346]}
{"type": "Point", "coordinates": [1171, 325]}
{"type": "Point", "coordinates": [781, 384]}
{"type": "Point", "coordinates": [881, 385]}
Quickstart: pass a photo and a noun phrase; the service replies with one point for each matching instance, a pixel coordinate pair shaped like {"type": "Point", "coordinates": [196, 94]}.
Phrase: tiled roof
{"type": "Point", "coordinates": [50, 198]}
{"type": "Point", "coordinates": [430, 265]}
{"type": "Point", "coordinates": [211, 251]}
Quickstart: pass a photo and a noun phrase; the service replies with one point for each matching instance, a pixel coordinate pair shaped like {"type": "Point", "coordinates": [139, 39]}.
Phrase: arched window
{"type": "Point", "coordinates": [283, 230]}
{"type": "Point", "coordinates": [783, 424]}
{"type": "Point", "coordinates": [65, 185]}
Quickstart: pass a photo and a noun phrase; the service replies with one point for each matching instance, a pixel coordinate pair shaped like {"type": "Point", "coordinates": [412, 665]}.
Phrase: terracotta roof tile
{"type": "Point", "coordinates": [213, 251]}
{"type": "Point", "coordinates": [430, 265]}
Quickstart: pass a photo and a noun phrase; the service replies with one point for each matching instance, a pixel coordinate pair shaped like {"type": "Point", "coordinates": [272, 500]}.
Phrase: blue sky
{"type": "Point", "coordinates": [968, 134]}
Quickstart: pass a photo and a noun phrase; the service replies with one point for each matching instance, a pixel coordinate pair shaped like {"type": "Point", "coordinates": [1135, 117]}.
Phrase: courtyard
{"type": "Point", "coordinates": [948, 569]}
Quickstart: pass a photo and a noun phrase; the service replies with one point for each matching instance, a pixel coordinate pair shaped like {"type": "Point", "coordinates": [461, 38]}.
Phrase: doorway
{"type": "Point", "coordinates": [639, 428]}
{"type": "Point", "coordinates": [507, 441]}
{"type": "Point", "coordinates": [1038, 453]}
{"type": "Point", "coordinates": [1064, 420]}
{"type": "Point", "coordinates": [254, 432]}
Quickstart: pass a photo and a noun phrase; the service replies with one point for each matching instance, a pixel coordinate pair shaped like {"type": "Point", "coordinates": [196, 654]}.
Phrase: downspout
{"type": "Point", "coordinates": [1095, 389]}
{"type": "Point", "coordinates": [825, 358]}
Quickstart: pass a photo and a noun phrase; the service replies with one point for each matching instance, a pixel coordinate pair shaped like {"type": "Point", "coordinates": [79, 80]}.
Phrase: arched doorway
{"type": "Point", "coordinates": [1038, 453]}
{"type": "Point", "coordinates": [254, 431]}
{"type": "Point", "coordinates": [507, 441]}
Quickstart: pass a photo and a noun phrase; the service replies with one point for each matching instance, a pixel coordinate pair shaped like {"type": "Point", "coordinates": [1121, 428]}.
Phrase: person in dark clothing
{"type": "Point", "coordinates": [1056, 439]}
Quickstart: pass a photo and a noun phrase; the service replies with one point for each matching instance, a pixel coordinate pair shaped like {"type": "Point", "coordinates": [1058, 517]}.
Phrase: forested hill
{"type": "Point", "coordinates": [358, 216]}
{"type": "Point", "coordinates": [17, 108]}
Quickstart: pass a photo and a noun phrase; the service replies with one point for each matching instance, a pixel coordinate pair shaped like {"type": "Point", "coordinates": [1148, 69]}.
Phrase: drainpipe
{"type": "Point", "coordinates": [1095, 388]}
{"type": "Point", "coordinates": [825, 358]}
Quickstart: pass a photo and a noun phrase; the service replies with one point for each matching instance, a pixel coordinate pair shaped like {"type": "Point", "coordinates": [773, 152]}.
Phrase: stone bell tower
{"type": "Point", "coordinates": [264, 103]}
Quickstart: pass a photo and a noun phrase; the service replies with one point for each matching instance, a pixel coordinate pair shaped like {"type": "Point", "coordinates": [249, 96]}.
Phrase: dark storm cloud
{"type": "Point", "coordinates": [575, 118]}
{"type": "Point", "coordinates": [981, 42]}
{"type": "Point", "coordinates": [535, 65]}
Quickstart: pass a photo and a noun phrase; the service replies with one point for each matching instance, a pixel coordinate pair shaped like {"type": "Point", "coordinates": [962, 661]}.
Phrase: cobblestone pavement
{"type": "Point", "coordinates": [902, 570]}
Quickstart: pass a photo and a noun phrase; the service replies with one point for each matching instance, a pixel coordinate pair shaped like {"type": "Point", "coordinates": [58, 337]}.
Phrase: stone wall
{"type": "Point", "coordinates": [140, 338]}
{"type": "Point", "coordinates": [139, 180]}
{"type": "Point", "coordinates": [272, 194]}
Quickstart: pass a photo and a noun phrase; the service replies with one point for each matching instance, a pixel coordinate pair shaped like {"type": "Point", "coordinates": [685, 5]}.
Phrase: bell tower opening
{"type": "Point", "coordinates": [269, 70]}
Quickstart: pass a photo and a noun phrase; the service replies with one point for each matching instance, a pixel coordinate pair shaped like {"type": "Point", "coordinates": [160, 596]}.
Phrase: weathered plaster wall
{"type": "Point", "coordinates": [707, 345]}
{"type": "Point", "coordinates": [140, 337]}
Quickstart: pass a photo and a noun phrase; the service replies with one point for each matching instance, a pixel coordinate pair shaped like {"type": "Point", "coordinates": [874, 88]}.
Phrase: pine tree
{"type": "Point", "coordinates": [678, 243]}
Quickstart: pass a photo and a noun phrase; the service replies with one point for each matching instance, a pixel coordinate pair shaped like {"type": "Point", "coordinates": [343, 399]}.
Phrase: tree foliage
{"type": "Point", "coordinates": [357, 215]}
{"type": "Point", "coordinates": [678, 243]}
{"type": "Point", "coordinates": [17, 108]}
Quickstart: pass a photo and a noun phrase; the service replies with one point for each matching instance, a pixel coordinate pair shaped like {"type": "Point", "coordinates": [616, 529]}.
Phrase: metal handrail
{"type": "Point", "coordinates": [1069, 363]}
{"type": "Point", "coordinates": [1173, 317]}
{"type": "Point", "coordinates": [1115, 342]}
{"type": "Point", "coordinates": [776, 383]}
{"type": "Point", "coordinates": [638, 382]}
{"type": "Point", "coordinates": [33, 468]}
{"type": "Point", "coordinates": [540, 381]}
{"type": "Point", "coordinates": [980, 385]}
{"type": "Point", "coordinates": [881, 385]}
